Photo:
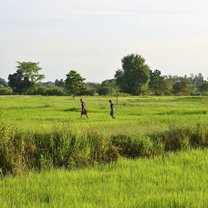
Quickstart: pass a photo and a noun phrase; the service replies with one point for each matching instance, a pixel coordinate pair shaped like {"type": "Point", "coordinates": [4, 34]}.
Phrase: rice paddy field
{"type": "Point", "coordinates": [140, 114]}
{"type": "Point", "coordinates": [171, 178]}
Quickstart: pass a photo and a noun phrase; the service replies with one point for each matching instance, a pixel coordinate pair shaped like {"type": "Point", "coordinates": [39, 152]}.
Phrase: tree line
{"type": "Point", "coordinates": [134, 78]}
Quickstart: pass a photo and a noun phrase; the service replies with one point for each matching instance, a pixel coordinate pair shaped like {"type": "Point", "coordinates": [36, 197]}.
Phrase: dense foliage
{"type": "Point", "coordinates": [74, 83]}
{"type": "Point", "coordinates": [135, 78]}
{"type": "Point", "coordinates": [26, 76]}
{"type": "Point", "coordinates": [134, 74]}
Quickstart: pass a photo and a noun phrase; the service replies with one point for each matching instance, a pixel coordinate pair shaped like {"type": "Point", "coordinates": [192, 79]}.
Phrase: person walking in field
{"type": "Point", "coordinates": [84, 110]}
{"type": "Point", "coordinates": [112, 109]}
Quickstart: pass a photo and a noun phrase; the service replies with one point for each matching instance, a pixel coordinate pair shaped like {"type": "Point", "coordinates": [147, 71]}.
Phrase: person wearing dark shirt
{"type": "Point", "coordinates": [112, 109]}
{"type": "Point", "coordinates": [84, 110]}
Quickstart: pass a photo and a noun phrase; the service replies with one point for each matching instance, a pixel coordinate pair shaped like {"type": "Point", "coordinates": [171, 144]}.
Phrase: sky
{"type": "Point", "coordinates": [92, 36]}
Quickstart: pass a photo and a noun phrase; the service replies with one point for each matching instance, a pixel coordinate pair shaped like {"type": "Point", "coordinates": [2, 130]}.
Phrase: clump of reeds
{"type": "Point", "coordinates": [67, 146]}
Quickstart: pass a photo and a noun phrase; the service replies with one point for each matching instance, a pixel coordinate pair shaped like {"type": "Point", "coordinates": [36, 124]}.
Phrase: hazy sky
{"type": "Point", "coordinates": [91, 36]}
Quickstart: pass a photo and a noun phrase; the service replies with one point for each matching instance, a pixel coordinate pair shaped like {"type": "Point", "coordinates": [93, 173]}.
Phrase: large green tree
{"type": "Point", "coordinates": [133, 75]}
{"type": "Point", "coordinates": [31, 70]}
{"type": "Point", "coordinates": [74, 83]}
{"type": "Point", "coordinates": [26, 76]}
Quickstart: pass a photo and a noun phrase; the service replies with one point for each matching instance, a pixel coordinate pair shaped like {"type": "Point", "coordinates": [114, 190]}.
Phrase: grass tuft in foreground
{"type": "Point", "coordinates": [174, 180]}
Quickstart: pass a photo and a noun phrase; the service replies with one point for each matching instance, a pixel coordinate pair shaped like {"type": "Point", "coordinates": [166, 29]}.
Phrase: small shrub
{"type": "Point", "coordinates": [125, 146]}
{"type": "Point", "coordinates": [5, 90]}
{"type": "Point", "coordinates": [102, 150]}
{"type": "Point", "coordinates": [173, 139]}
{"type": "Point", "coordinates": [199, 136]}
{"type": "Point", "coordinates": [133, 148]}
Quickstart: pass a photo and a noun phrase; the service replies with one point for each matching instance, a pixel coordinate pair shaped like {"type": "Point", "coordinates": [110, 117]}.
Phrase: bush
{"type": "Point", "coordinates": [87, 92]}
{"type": "Point", "coordinates": [61, 147]}
{"type": "Point", "coordinates": [136, 147]}
{"type": "Point", "coordinates": [199, 136]}
{"type": "Point", "coordinates": [37, 90]}
{"type": "Point", "coordinates": [5, 90]}
{"type": "Point", "coordinates": [173, 140]}
{"type": "Point", "coordinates": [105, 90]}
{"type": "Point", "coordinates": [176, 139]}
{"type": "Point", "coordinates": [54, 90]}
{"type": "Point", "coordinates": [40, 89]}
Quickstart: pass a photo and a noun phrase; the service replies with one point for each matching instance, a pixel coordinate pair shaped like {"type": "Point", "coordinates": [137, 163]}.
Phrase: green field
{"type": "Point", "coordinates": [177, 180]}
{"type": "Point", "coordinates": [140, 114]}
{"type": "Point", "coordinates": [156, 178]}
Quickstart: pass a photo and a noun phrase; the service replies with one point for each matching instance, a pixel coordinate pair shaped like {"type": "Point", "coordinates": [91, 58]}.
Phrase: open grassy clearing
{"type": "Point", "coordinates": [133, 114]}
{"type": "Point", "coordinates": [176, 180]}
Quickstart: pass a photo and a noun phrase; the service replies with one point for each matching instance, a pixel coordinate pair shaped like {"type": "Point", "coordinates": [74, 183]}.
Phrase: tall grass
{"type": "Point", "coordinates": [68, 146]}
{"type": "Point", "coordinates": [65, 146]}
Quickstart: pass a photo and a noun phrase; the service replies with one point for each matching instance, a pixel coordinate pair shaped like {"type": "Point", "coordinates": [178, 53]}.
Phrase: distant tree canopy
{"type": "Point", "coordinates": [203, 88]}
{"type": "Point", "coordinates": [158, 84]}
{"type": "Point", "coordinates": [26, 76]}
{"type": "Point", "coordinates": [40, 89]}
{"type": "Point", "coordinates": [135, 78]}
{"type": "Point", "coordinates": [3, 82]}
{"type": "Point", "coordinates": [59, 83]}
{"type": "Point", "coordinates": [183, 86]}
{"type": "Point", "coordinates": [74, 83]}
{"type": "Point", "coordinates": [31, 71]}
{"type": "Point", "coordinates": [133, 75]}
{"type": "Point", "coordinates": [4, 89]}
{"type": "Point", "coordinates": [107, 87]}
{"type": "Point", "coordinates": [90, 89]}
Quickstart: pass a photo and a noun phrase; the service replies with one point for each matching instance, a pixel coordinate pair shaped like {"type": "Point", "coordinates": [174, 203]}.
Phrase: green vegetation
{"type": "Point", "coordinates": [38, 134]}
{"type": "Point", "coordinates": [71, 147]}
{"type": "Point", "coordinates": [134, 74]}
{"type": "Point", "coordinates": [26, 76]}
{"type": "Point", "coordinates": [47, 132]}
{"type": "Point", "coordinates": [74, 83]}
{"type": "Point", "coordinates": [135, 78]}
{"type": "Point", "coordinates": [135, 115]}
{"type": "Point", "coordinates": [175, 180]}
